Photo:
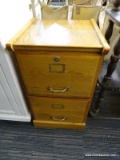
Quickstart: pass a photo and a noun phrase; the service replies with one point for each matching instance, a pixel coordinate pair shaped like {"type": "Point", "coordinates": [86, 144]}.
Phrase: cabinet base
{"type": "Point", "coordinates": [47, 124]}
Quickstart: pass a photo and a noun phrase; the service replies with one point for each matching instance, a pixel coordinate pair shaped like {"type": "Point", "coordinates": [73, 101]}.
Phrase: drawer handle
{"type": "Point", "coordinates": [59, 119]}
{"type": "Point", "coordinates": [58, 91]}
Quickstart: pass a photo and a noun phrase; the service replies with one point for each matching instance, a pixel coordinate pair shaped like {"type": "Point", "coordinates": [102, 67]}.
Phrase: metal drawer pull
{"type": "Point", "coordinates": [58, 91]}
{"type": "Point", "coordinates": [59, 119]}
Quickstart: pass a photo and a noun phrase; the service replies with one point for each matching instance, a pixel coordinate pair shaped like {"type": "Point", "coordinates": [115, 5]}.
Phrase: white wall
{"type": "Point", "coordinates": [14, 14]}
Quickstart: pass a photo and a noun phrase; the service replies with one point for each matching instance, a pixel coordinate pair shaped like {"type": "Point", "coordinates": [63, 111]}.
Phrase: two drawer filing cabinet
{"type": "Point", "coordinates": [59, 62]}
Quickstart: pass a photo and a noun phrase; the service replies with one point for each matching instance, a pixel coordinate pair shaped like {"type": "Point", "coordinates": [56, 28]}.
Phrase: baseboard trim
{"type": "Point", "coordinates": [16, 118]}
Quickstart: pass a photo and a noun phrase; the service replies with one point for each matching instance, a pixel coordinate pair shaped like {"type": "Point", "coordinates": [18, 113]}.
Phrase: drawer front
{"type": "Point", "coordinates": [59, 110]}
{"type": "Point", "coordinates": [60, 75]}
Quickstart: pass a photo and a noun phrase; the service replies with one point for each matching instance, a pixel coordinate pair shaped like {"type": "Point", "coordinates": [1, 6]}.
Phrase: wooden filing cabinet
{"type": "Point", "coordinates": [59, 62]}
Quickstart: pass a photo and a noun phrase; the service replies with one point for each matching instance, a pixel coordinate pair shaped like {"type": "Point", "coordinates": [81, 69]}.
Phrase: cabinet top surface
{"type": "Point", "coordinates": [61, 33]}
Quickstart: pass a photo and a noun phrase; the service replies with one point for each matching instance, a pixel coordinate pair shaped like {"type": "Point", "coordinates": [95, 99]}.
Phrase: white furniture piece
{"type": "Point", "coordinates": [12, 102]}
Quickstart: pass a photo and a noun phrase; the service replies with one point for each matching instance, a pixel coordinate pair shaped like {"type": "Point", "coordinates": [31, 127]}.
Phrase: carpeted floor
{"type": "Point", "coordinates": [99, 141]}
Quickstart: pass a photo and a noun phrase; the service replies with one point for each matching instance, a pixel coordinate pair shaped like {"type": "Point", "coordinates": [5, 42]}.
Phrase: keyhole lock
{"type": "Point", "coordinates": [57, 59]}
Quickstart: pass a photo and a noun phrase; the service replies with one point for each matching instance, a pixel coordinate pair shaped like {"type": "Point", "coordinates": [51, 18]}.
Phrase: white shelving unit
{"type": "Point", "coordinates": [12, 102]}
{"type": "Point", "coordinates": [14, 14]}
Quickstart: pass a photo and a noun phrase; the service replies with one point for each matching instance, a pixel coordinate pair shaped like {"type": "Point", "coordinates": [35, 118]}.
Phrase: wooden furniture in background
{"type": "Point", "coordinates": [86, 12]}
{"type": "Point", "coordinates": [82, 2]}
{"type": "Point", "coordinates": [105, 84]}
{"type": "Point", "coordinates": [48, 12]}
{"type": "Point", "coordinates": [59, 62]}
{"type": "Point", "coordinates": [79, 2]}
{"type": "Point", "coordinates": [54, 9]}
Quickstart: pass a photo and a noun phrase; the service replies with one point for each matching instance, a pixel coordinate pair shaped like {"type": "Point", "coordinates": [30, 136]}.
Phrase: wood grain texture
{"type": "Point", "coordinates": [67, 125]}
{"type": "Point", "coordinates": [61, 33]}
{"type": "Point", "coordinates": [73, 110]}
{"type": "Point", "coordinates": [59, 62]}
{"type": "Point", "coordinates": [80, 74]}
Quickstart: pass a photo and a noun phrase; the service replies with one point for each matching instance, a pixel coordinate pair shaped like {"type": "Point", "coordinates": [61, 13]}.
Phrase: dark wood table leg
{"type": "Point", "coordinates": [110, 69]}
{"type": "Point", "coordinates": [109, 31]}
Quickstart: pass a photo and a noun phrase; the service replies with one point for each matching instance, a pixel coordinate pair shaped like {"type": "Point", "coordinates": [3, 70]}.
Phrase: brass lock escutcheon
{"type": "Point", "coordinates": [57, 59]}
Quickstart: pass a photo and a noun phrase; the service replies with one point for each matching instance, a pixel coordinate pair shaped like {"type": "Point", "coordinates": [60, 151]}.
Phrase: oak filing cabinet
{"type": "Point", "coordinates": [59, 62]}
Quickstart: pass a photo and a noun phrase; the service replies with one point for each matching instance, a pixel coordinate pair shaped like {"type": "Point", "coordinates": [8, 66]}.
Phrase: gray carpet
{"type": "Point", "coordinates": [99, 141]}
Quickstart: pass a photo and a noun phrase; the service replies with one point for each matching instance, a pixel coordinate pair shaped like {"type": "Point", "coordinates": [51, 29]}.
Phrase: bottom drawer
{"type": "Point", "coordinates": [59, 112]}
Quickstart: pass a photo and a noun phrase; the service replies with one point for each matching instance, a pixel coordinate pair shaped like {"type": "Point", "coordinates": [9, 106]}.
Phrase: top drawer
{"type": "Point", "coordinates": [59, 74]}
